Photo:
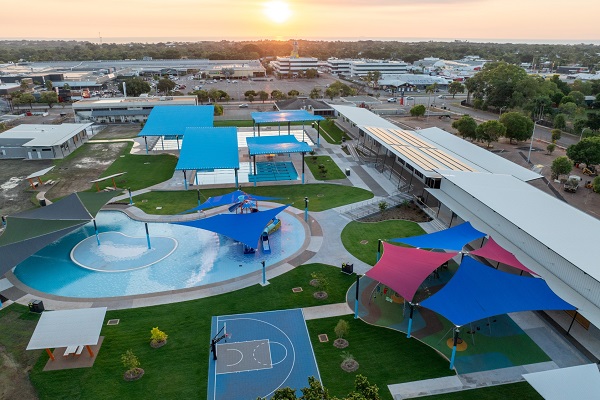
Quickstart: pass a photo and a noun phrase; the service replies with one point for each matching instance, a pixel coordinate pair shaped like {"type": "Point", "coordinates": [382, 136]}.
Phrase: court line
{"type": "Point", "coordinates": [241, 358]}
{"type": "Point", "coordinates": [254, 353]}
{"type": "Point", "coordinates": [311, 346]}
{"type": "Point", "coordinates": [284, 357]}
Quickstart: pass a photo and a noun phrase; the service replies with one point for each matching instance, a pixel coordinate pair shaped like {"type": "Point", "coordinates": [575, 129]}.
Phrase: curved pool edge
{"type": "Point", "coordinates": [311, 245]}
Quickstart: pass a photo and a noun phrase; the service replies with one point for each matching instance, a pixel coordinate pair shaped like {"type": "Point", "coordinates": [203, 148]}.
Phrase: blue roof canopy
{"type": "Point", "coordinates": [228, 198]}
{"type": "Point", "coordinates": [276, 144]}
{"type": "Point", "coordinates": [245, 228]}
{"type": "Point", "coordinates": [174, 120]}
{"type": "Point", "coordinates": [284, 116]}
{"type": "Point", "coordinates": [449, 239]}
{"type": "Point", "coordinates": [208, 149]}
{"type": "Point", "coordinates": [477, 291]}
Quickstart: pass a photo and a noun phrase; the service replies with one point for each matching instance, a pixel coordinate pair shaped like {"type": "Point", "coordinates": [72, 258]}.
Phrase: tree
{"type": "Point", "coordinates": [561, 166]}
{"type": "Point", "coordinates": [418, 110]}
{"type": "Point", "coordinates": [48, 85]}
{"type": "Point", "coordinates": [596, 184]}
{"type": "Point", "coordinates": [311, 73]}
{"type": "Point", "coordinates": [556, 134]}
{"type": "Point", "coordinates": [456, 87]}
{"type": "Point", "coordinates": [466, 127]}
{"type": "Point", "coordinates": [262, 95]}
{"type": "Point", "coordinates": [249, 93]}
{"type": "Point", "coordinates": [277, 95]}
{"type": "Point", "coordinates": [165, 85]}
{"type": "Point", "coordinates": [490, 131]}
{"type": "Point", "coordinates": [202, 95]}
{"type": "Point", "coordinates": [331, 92]}
{"type": "Point", "coordinates": [293, 93]}
{"type": "Point", "coordinates": [214, 94]}
{"type": "Point", "coordinates": [593, 120]}
{"type": "Point", "coordinates": [587, 151]}
{"type": "Point", "coordinates": [315, 93]}
{"type": "Point", "coordinates": [550, 148]}
{"type": "Point", "coordinates": [578, 97]}
{"type": "Point", "coordinates": [49, 98]}
{"type": "Point", "coordinates": [27, 98]}
{"type": "Point", "coordinates": [218, 110]}
{"type": "Point", "coordinates": [315, 390]}
{"type": "Point", "coordinates": [560, 121]}
{"type": "Point", "coordinates": [286, 393]}
{"type": "Point", "coordinates": [135, 87]}
{"type": "Point", "coordinates": [518, 126]}
{"type": "Point", "coordinates": [365, 389]}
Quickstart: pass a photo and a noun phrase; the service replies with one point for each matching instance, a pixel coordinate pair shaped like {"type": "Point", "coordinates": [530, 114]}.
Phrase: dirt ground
{"type": "Point", "coordinates": [124, 131]}
{"type": "Point", "coordinates": [408, 212]}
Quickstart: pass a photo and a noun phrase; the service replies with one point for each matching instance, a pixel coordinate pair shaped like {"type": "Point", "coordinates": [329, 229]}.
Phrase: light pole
{"type": "Point", "coordinates": [501, 108]}
{"type": "Point", "coordinates": [535, 120]}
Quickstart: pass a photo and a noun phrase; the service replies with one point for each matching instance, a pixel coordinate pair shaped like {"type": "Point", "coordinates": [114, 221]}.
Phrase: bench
{"type": "Point", "coordinates": [79, 350]}
{"type": "Point", "coordinates": [70, 350]}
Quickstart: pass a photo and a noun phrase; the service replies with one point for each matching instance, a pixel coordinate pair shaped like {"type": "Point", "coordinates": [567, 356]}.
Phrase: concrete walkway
{"type": "Point", "coordinates": [326, 311]}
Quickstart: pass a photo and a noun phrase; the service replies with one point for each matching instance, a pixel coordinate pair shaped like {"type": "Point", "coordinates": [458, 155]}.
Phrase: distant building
{"type": "Point", "coordinates": [338, 66]}
{"type": "Point", "coordinates": [8, 88]}
{"type": "Point", "coordinates": [129, 109]}
{"type": "Point", "coordinates": [363, 67]}
{"type": "Point", "coordinates": [412, 82]}
{"type": "Point", "coordinates": [316, 107]}
{"type": "Point", "coordinates": [288, 66]}
{"type": "Point", "coordinates": [36, 142]}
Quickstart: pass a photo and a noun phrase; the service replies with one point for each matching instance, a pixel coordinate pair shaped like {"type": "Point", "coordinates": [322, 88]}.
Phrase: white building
{"type": "Point", "coordinates": [413, 82]}
{"type": "Point", "coordinates": [338, 66]}
{"type": "Point", "coordinates": [41, 141]}
{"type": "Point", "coordinates": [129, 109]}
{"type": "Point", "coordinates": [290, 66]}
{"type": "Point", "coordinates": [363, 67]}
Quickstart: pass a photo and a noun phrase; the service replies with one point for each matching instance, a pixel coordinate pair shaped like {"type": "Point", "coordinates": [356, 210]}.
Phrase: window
{"type": "Point", "coordinates": [400, 161]}
{"type": "Point", "coordinates": [417, 173]}
{"type": "Point", "coordinates": [409, 167]}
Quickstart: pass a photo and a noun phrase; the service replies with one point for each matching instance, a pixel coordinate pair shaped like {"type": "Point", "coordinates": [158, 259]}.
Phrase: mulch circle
{"type": "Point", "coordinates": [314, 282]}
{"type": "Point", "coordinates": [349, 365]}
{"type": "Point", "coordinates": [133, 374]}
{"type": "Point", "coordinates": [341, 343]}
{"type": "Point", "coordinates": [320, 295]}
{"type": "Point", "coordinates": [155, 344]}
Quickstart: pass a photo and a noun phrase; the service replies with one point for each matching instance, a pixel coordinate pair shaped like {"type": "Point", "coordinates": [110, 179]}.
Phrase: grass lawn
{"type": "Point", "coordinates": [520, 391]}
{"type": "Point", "coordinates": [385, 356]}
{"type": "Point", "coordinates": [142, 170]}
{"type": "Point", "coordinates": [331, 168]}
{"type": "Point", "coordinates": [355, 232]}
{"type": "Point", "coordinates": [179, 369]}
{"type": "Point", "coordinates": [331, 132]}
{"type": "Point", "coordinates": [321, 197]}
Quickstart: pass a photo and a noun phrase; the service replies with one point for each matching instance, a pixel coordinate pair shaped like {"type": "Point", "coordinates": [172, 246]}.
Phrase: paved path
{"type": "Point", "coordinates": [326, 311]}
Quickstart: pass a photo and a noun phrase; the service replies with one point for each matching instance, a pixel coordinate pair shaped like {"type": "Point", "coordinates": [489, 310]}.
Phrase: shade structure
{"type": "Point", "coordinates": [174, 120]}
{"type": "Point", "coordinates": [580, 382]}
{"type": "Point", "coordinates": [275, 145]}
{"type": "Point", "coordinates": [492, 251]}
{"type": "Point", "coordinates": [245, 228]}
{"type": "Point", "coordinates": [404, 269]}
{"type": "Point", "coordinates": [449, 239]}
{"type": "Point", "coordinates": [477, 291]}
{"type": "Point", "coordinates": [284, 116]}
{"type": "Point", "coordinates": [208, 149]}
{"type": "Point", "coordinates": [229, 198]}
{"type": "Point", "coordinates": [30, 231]}
{"type": "Point", "coordinates": [63, 328]}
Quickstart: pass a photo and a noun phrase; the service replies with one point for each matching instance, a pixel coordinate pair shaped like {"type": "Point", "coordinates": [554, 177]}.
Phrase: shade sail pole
{"type": "Point", "coordinates": [306, 209]}
{"type": "Point", "coordinates": [378, 250]}
{"type": "Point", "coordinates": [410, 319]}
{"type": "Point", "coordinates": [356, 298]}
{"type": "Point", "coordinates": [318, 133]}
{"type": "Point", "coordinates": [185, 185]}
{"type": "Point", "coordinates": [199, 198]}
{"type": "Point", "coordinates": [303, 168]}
{"type": "Point", "coordinates": [455, 342]}
{"type": "Point", "coordinates": [146, 142]}
{"type": "Point", "coordinates": [147, 235]}
{"type": "Point", "coordinates": [254, 165]}
{"type": "Point", "coordinates": [235, 170]}
{"type": "Point", "coordinates": [50, 354]}
{"type": "Point", "coordinates": [96, 231]}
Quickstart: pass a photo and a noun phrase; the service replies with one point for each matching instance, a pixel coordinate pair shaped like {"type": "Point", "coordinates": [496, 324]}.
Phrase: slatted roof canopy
{"type": "Point", "coordinates": [208, 149]}
{"type": "Point", "coordinates": [284, 116]}
{"type": "Point", "coordinates": [174, 120]}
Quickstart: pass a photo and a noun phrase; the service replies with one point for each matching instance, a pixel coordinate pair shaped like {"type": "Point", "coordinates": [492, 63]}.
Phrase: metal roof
{"type": "Point", "coordinates": [40, 173]}
{"type": "Point", "coordinates": [115, 113]}
{"type": "Point", "coordinates": [208, 149]}
{"type": "Point", "coordinates": [276, 144]}
{"type": "Point", "coordinates": [40, 135]}
{"type": "Point", "coordinates": [483, 160]}
{"type": "Point", "coordinates": [174, 120]}
{"type": "Point", "coordinates": [65, 328]}
{"type": "Point", "coordinates": [362, 117]}
{"type": "Point", "coordinates": [284, 116]}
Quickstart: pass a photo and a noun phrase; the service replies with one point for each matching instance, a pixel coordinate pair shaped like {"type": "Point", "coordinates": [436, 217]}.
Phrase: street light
{"type": "Point", "coordinates": [535, 121]}
{"type": "Point", "coordinates": [501, 108]}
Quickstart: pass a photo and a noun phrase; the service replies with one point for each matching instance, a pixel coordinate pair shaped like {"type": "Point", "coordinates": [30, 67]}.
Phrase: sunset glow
{"type": "Point", "coordinates": [277, 11]}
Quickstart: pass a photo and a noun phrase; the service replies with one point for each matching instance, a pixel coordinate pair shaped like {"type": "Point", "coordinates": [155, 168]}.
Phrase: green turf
{"type": "Point", "coordinates": [516, 391]}
{"type": "Point", "coordinates": [355, 232]}
{"type": "Point", "coordinates": [331, 168]}
{"type": "Point", "coordinates": [180, 368]}
{"type": "Point", "coordinates": [385, 356]}
{"type": "Point", "coordinates": [142, 170]}
{"type": "Point", "coordinates": [321, 197]}
{"type": "Point", "coordinates": [17, 326]}
{"type": "Point", "coordinates": [331, 132]}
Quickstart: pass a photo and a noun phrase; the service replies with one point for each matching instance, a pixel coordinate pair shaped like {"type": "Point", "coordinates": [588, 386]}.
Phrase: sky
{"type": "Point", "coordinates": [539, 21]}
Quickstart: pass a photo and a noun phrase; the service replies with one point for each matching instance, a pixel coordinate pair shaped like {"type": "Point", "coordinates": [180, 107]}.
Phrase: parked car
{"type": "Point", "coordinates": [391, 100]}
{"type": "Point", "coordinates": [410, 98]}
{"type": "Point", "coordinates": [442, 96]}
{"type": "Point", "coordinates": [245, 105]}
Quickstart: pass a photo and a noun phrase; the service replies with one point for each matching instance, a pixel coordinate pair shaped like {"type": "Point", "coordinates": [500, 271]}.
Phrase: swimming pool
{"type": "Point", "coordinates": [200, 258]}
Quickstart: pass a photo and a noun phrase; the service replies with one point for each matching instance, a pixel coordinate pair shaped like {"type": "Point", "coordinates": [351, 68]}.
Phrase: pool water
{"type": "Point", "coordinates": [201, 258]}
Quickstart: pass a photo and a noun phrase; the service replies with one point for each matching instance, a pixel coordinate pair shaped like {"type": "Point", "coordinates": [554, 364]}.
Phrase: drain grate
{"type": "Point", "coordinates": [113, 322]}
{"type": "Point", "coordinates": [323, 338]}
{"type": "Point", "coordinates": [297, 289]}
{"type": "Point", "coordinates": [364, 241]}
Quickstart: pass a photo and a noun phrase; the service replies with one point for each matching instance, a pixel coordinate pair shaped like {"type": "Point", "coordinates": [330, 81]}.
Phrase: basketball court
{"type": "Point", "coordinates": [259, 353]}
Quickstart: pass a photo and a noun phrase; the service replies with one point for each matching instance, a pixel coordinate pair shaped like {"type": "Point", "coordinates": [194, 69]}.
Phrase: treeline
{"type": "Point", "coordinates": [55, 50]}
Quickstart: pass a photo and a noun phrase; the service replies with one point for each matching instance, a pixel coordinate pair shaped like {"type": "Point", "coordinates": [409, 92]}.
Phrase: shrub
{"type": "Point", "coordinates": [130, 360]}
{"type": "Point", "coordinates": [550, 148]}
{"type": "Point", "coordinates": [383, 205]}
{"type": "Point", "coordinates": [321, 281]}
{"type": "Point", "coordinates": [342, 328]}
{"type": "Point", "coordinates": [158, 335]}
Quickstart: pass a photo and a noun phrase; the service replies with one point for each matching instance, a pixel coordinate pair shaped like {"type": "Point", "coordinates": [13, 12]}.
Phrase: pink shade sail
{"type": "Point", "coordinates": [493, 251]}
{"type": "Point", "coordinates": [404, 269]}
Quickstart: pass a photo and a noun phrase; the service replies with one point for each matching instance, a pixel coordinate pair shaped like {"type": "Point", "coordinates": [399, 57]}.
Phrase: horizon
{"type": "Point", "coordinates": [489, 21]}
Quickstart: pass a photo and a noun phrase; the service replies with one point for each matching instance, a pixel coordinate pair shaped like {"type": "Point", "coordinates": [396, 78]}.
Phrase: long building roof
{"type": "Point", "coordinates": [40, 135]}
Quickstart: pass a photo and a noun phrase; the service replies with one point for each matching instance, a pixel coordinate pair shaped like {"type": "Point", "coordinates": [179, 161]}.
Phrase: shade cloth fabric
{"type": "Point", "coordinates": [454, 238]}
{"type": "Point", "coordinates": [492, 251]}
{"type": "Point", "coordinates": [229, 198]}
{"type": "Point", "coordinates": [284, 116]}
{"type": "Point", "coordinates": [477, 291]}
{"type": "Point", "coordinates": [404, 269]}
{"type": "Point", "coordinates": [209, 149]}
{"type": "Point", "coordinates": [580, 382]}
{"type": "Point", "coordinates": [245, 228]}
{"type": "Point", "coordinates": [276, 144]}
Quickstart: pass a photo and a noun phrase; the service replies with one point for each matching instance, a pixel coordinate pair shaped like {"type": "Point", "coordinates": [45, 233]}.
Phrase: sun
{"type": "Point", "coordinates": [277, 11]}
